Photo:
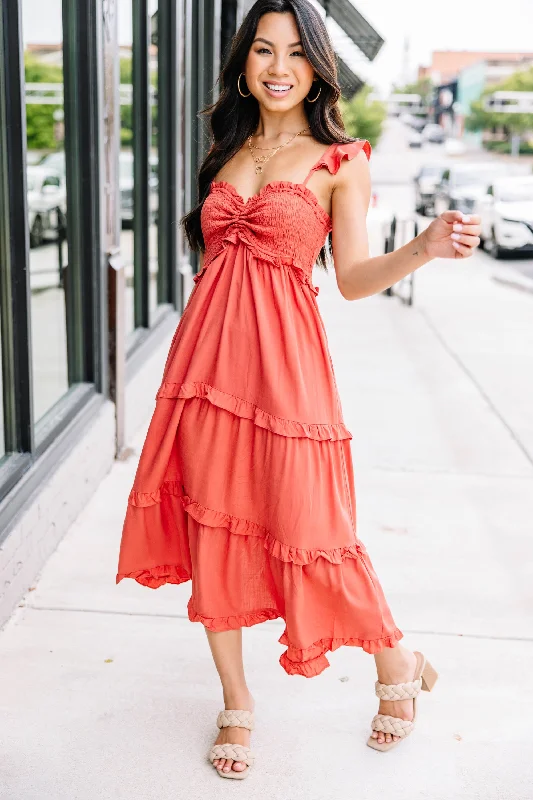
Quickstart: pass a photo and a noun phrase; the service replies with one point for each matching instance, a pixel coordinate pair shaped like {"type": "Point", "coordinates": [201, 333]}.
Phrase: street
{"type": "Point", "coordinates": [112, 691]}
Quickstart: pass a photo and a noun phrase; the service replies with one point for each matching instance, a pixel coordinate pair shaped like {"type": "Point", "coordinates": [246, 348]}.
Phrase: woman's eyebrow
{"type": "Point", "coordinates": [260, 39]}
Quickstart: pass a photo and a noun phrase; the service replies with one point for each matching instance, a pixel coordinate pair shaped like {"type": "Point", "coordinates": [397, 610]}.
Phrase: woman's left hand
{"type": "Point", "coordinates": [452, 235]}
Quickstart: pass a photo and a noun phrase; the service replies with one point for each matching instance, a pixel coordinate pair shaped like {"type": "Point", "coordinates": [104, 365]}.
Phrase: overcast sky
{"type": "Point", "coordinates": [472, 25]}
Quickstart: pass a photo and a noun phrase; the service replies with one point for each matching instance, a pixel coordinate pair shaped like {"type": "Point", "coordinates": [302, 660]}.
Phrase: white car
{"type": "Point", "coordinates": [47, 203]}
{"type": "Point", "coordinates": [378, 222]}
{"type": "Point", "coordinates": [433, 133]}
{"type": "Point", "coordinates": [464, 182]}
{"type": "Point", "coordinates": [454, 147]}
{"type": "Point", "coordinates": [414, 139]}
{"type": "Point", "coordinates": [55, 161]}
{"type": "Point", "coordinates": [507, 216]}
{"type": "Point", "coordinates": [126, 186]}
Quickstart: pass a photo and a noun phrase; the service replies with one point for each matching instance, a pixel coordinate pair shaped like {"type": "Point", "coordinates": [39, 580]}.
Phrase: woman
{"type": "Point", "coordinates": [245, 482]}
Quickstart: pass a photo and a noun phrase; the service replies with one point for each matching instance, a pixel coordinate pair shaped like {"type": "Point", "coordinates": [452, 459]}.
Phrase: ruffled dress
{"type": "Point", "coordinates": [245, 483]}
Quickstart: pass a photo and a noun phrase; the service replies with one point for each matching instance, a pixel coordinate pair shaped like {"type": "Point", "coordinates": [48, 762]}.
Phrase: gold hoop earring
{"type": "Point", "coordinates": [315, 98]}
{"type": "Point", "coordinates": [239, 87]}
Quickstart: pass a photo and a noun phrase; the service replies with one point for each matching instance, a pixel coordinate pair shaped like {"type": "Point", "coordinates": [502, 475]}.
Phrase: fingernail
{"type": "Point", "coordinates": [455, 236]}
{"type": "Point", "coordinates": [466, 218]}
{"type": "Point", "coordinates": [458, 227]}
{"type": "Point", "coordinates": [455, 245]}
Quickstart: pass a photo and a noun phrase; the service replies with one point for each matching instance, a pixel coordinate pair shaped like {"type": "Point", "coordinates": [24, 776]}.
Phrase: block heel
{"type": "Point", "coordinates": [424, 679]}
{"type": "Point", "coordinates": [429, 677]}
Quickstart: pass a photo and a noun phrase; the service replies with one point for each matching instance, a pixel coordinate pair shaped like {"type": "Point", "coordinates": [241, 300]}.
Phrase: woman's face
{"type": "Point", "coordinates": [277, 59]}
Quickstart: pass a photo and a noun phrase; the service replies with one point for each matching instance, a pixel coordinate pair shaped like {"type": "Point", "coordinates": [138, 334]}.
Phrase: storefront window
{"type": "Point", "coordinates": [126, 156]}
{"type": "Point", "coordinates": [153, 162]}
{"type": "Point", "coordinates": [2, 439]}
{"type": "Point", "coordinates": [47, 199]}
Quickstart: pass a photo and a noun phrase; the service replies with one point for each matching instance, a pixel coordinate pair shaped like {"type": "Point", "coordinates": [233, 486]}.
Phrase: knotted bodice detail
{"type": "Point", "coordinates": [282, 223]}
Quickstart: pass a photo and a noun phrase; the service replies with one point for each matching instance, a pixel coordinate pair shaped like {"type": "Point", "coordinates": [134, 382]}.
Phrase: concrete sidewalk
{"type": "Point", "coordinates": [109, 692]}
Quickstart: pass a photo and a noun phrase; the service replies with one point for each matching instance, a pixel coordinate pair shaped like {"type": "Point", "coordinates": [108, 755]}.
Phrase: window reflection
{"type": "Point", "coordinates": [153, 187]}
{"type": "Point", "coordinates": [47, 198]}
{"type": "Point", "coordinates": [2, 440]}
{"type": "Point", "coordinates": [125, 174]}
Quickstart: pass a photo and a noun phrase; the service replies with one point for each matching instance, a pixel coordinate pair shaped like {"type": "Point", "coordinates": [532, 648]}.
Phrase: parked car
{"type": "Point", "coordinates": [461, 184]}
{"type": "Point", "coordinates": [126, 180]}
{"type": "Point", "coordinates": [433, 133]}
{"type": "Point", "coordinates": [454, 147]}
{"type": "Point", "coordinates": [55, 161]}
{"type": "Point", "coordinates": [414, 138]}
{"type": "Point", "coordinates": [406, 118]}
{"type": "Point", "coordinates": [418, 123]}
{"type": "Point", "coordinates": [426, 181]}
{"type": "Point", "coordinates": [507, 216]}
{"type": "Point", "coordinates": [379, 219]}
{"type": "Point", "coordinates": [47, 203]}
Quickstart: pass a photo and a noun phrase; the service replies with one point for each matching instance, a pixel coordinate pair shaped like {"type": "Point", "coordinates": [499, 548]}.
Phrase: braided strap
{"type": "Point", "coordinates": [235, 719]}
{"type": "Point", "coordinates": [399, 691]}
{"type": "Point", "coordinates": [236, 752]}
{"type": "Point", "coordinates": [394, 725]}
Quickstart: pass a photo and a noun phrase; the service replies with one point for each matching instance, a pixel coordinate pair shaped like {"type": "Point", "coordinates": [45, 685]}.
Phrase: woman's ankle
{"type": "Point", "coordinates": [393, 662]}
{"type": "Point", "coordinates": [237, 697]}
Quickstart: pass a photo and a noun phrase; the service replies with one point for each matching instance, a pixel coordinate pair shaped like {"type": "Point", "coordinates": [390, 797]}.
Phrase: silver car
{"type": "Point", "coordinates": [47, 203]}
{"type": "Point", "coordinates": [506, 211]}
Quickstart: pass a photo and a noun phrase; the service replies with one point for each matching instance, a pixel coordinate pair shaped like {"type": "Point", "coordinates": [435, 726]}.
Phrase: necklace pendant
{"type": "Point", "coordinates": [258, 169]}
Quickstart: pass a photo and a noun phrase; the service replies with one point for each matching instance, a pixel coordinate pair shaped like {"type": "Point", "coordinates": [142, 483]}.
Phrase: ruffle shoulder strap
{"type": "Point", "coordinates": [333, 156]}
{"type": "Point", "coordinates": [349, 150]}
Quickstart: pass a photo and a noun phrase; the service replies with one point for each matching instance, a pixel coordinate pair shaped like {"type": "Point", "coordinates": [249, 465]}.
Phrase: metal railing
{"type": "Point", "coordinates": [400, 232]}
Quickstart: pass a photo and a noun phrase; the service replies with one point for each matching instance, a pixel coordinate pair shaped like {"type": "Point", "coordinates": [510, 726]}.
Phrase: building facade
{"type": "Point", "coordinates": [447, 64]}
{"type": "Point", "coordinates": [100, 143]}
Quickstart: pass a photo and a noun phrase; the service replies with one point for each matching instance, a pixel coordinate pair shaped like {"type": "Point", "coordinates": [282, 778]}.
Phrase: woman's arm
{"type": "Point", "coordinates": [452, 235]}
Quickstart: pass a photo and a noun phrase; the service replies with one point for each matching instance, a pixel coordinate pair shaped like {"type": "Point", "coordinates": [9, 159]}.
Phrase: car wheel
{"type": "Point", "coordinates": [492, 247]}
{"type": "Point", "coordinates": [37, 232]}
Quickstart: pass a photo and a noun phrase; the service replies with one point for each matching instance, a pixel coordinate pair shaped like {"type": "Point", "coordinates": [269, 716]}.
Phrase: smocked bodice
{"type": "Point", "coordinates": [283, 223]}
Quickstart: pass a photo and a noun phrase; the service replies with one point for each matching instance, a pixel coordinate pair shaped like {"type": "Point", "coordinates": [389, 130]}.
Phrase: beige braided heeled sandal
{"type": "Point", "coordinates": [425, 677]}
{"type": "Point", "coordinates": [237, 752]}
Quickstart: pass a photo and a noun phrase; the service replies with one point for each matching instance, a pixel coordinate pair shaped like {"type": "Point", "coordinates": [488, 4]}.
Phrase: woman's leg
{"type": "Point", "coordinates": [226, 648]}
{"type": "Point", "coordinates": [395, 665]}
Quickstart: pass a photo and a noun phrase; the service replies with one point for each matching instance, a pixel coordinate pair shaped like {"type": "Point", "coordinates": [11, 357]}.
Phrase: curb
{"type": "Point", "coordinates": [514, 279]}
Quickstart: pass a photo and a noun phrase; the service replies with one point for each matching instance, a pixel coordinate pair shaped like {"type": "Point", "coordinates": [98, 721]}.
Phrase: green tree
{"type": "Point", "coordinates": [363, 118]}
{"type": "Point", "coordinates": [422, 87]}
{"type": "Point", "coordinates": [40, 117]}
{"type": "Point", "coordinates": [126, 113]}
{"type": "Point", "coordinates": [481, 120]}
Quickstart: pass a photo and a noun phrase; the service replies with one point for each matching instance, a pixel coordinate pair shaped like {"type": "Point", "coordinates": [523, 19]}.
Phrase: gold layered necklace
{"type": "Point", "coordinates": [261, 160]}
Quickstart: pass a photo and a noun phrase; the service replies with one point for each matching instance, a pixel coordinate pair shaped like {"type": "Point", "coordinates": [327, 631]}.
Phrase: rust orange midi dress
{"type": "Point", "coordinates": [245, 483]}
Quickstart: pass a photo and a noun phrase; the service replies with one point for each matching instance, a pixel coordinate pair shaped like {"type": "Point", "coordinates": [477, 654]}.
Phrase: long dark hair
{"type": "Point", "coordinates": [233, 118]}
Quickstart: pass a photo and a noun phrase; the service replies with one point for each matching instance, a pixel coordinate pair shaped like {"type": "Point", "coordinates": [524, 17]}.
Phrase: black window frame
{"type": "Point", "coordinates": [27, 439]}
{"type": "Point", "coordinates": [169, 278]}
{"type": "Point", "coordinates": [189, 36]}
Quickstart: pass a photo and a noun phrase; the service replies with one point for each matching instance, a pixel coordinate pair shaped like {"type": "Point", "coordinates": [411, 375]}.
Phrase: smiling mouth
{"type": "Point", "coordinates": [276, 88]}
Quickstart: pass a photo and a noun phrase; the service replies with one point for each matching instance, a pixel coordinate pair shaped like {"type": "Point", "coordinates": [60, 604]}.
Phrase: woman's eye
{"type": "Point", "coordinates": [266, 50]}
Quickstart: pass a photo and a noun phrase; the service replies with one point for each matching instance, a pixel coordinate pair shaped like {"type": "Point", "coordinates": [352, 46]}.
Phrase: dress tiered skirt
{"type": "Point", "coordinates": [245, 483]}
